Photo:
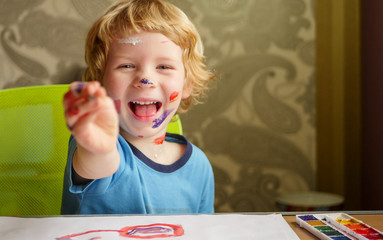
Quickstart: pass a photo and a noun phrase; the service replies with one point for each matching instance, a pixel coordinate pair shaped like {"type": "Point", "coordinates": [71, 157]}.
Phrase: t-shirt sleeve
{"type": "Point", "coordinates": [207, 201]}
{"type": "Point", "coordinates": [98, 186]}
{"type": "Point", "coordinates": [206, 174]}
{"type": "Point", "coordinates": [73, 195]}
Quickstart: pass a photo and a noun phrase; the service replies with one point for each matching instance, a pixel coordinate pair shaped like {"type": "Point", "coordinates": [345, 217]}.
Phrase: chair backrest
{"type": "Point", "coordinates": [33, 149]}
{"type": "Point", "coordinates": [175, 125]}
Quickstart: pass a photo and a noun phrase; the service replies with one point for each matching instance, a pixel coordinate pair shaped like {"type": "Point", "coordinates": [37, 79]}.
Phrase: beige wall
{"type": "Point", "coordinates": [257, 127]}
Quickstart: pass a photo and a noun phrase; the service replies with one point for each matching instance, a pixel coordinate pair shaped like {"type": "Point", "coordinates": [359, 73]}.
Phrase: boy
{"type": "Point", "coordinates": [147, 60]}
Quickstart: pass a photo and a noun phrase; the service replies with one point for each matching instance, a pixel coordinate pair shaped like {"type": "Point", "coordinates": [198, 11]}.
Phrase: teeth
{"type": "Point", "coordinates": [144, 103]}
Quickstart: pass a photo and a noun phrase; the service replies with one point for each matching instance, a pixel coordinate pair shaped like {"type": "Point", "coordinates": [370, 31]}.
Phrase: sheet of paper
{"type": "Point", "coordinates": [182, 227]}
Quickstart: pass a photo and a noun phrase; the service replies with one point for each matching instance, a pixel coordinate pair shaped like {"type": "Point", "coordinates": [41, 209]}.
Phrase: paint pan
{"type": "Point", "coordinates": [353, 226]}
{"type": "Point", "coordinates": [337, 226]}
{"type": "Point", "coordinates": [315, 224]}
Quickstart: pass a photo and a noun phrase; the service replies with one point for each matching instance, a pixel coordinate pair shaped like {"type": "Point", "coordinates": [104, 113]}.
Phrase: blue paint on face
{"type": "Point", "coordinates": [161, 119]}
{"type": "Point", "coordinates": [146, 81]}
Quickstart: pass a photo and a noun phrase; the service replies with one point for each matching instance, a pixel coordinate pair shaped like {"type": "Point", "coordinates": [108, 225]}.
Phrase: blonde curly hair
{"type": "Point", "coordinates": [132, 16]}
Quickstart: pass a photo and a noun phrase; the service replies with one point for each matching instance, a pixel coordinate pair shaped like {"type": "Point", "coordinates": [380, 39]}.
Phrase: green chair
{"type": "Point", "coordinates": [33, 149]}
{"type": "Point", "coordinates": [175, 125]}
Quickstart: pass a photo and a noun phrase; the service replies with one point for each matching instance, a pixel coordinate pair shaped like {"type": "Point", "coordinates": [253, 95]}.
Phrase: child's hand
{"type": "Point", "coordinates": [91, 116]}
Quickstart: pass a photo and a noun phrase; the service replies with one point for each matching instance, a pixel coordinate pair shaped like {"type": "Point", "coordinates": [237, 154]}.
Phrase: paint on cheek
{"type": "Point", "coordinates": [174, 96]}
{"type": "Point", "coordinates": [117, 105]}
{"type": "Point", "coordinates": [140, 136]}
{"type": "Point", "coordinates": [159, 140]}
{"type": "Point", "coordinates": [161, 119]}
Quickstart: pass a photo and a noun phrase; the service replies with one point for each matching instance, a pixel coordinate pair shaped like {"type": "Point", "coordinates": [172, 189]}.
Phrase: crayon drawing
{"type": "Point", "coordinates": [152, 231]}
{"type": "Point", "coordinates": [149, 227]}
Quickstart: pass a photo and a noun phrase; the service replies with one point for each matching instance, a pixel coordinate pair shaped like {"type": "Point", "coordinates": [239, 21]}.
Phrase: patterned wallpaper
{"type": "Point", "coordinates": [257, 126]}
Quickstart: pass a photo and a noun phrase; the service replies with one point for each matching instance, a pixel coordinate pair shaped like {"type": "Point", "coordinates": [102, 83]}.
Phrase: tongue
{"type": "Point", "coordinates": [145, 110]}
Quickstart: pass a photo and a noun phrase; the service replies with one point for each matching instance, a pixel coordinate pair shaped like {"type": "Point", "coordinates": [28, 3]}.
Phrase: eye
{"type": "Point", "coordinates": [126, 66]}
{"type": "Point", "coordinates": [164, 67]}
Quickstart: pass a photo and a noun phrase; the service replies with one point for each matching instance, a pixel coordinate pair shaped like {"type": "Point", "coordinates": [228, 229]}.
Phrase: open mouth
{"type": "Point", "coordinates": [144, 108]}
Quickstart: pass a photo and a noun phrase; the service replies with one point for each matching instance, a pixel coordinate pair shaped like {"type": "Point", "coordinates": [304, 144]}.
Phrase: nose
{"type": "Point", "coordinates": [144, 83]}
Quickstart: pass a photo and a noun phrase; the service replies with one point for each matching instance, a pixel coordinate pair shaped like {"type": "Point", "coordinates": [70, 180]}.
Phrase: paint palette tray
{"type": "Point", "coordinates": [337, 226]}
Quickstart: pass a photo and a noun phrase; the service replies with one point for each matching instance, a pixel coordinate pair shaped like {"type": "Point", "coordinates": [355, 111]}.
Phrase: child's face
{"type": "Point", "coordinates": [145, 77]}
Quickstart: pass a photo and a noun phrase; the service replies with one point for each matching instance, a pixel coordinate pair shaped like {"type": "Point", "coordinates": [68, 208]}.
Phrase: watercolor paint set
{"type": "Point", "coordinates": [337, 226]}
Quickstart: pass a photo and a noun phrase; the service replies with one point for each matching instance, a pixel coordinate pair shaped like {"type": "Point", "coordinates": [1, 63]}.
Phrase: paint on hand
{"type": "Point", "coordinates": [79, 87]}
{"type": "Point", "coordinates": [69, 96]}
{"type": "Point", "coordinates": [146, 81]}
{"type": "Point", "coordinates": [130, 40]}
{"type": "Point", "coordinates": [174, 96]}
{"type": "Point", "coordinates": [72, 111]}
{"type": "Point", "coordinates": [161, 119]}
{"type": "Point", "coordinates": [91, 97]}
{"type": "Point", "coordinates": [117, 105]}
{"type": "Point", "coordinates": [159, 140]}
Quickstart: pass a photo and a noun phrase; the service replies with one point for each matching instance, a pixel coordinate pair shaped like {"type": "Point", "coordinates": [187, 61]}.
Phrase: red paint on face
{"type": "Point", "coordinates": [117, 105]}
{"type": "Point", "coordinates": [174, 96]}
{"type": "Point", "coordinates": [159, 140]}
{"type": "Point", "coordinates": [140, 136]}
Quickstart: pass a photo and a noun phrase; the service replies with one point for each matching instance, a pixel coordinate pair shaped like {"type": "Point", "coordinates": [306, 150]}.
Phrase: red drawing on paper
{"type": "Point", "coordinates": [157, 230]}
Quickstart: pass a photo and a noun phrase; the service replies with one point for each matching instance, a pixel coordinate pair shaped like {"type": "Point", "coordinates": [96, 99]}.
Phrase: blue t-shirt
{"type": "Point", "coordinates": [141, 186]}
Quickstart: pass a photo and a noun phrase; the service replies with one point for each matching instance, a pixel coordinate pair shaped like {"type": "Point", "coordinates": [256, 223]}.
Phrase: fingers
{"type": "Point", "coordinates": [82, 99]}
{"type": "Point", "coordinates": [80, 92]}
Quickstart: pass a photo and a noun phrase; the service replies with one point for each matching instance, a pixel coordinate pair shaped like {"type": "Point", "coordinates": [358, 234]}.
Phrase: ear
{"type": "Point", "coordinates": [186, 92]}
